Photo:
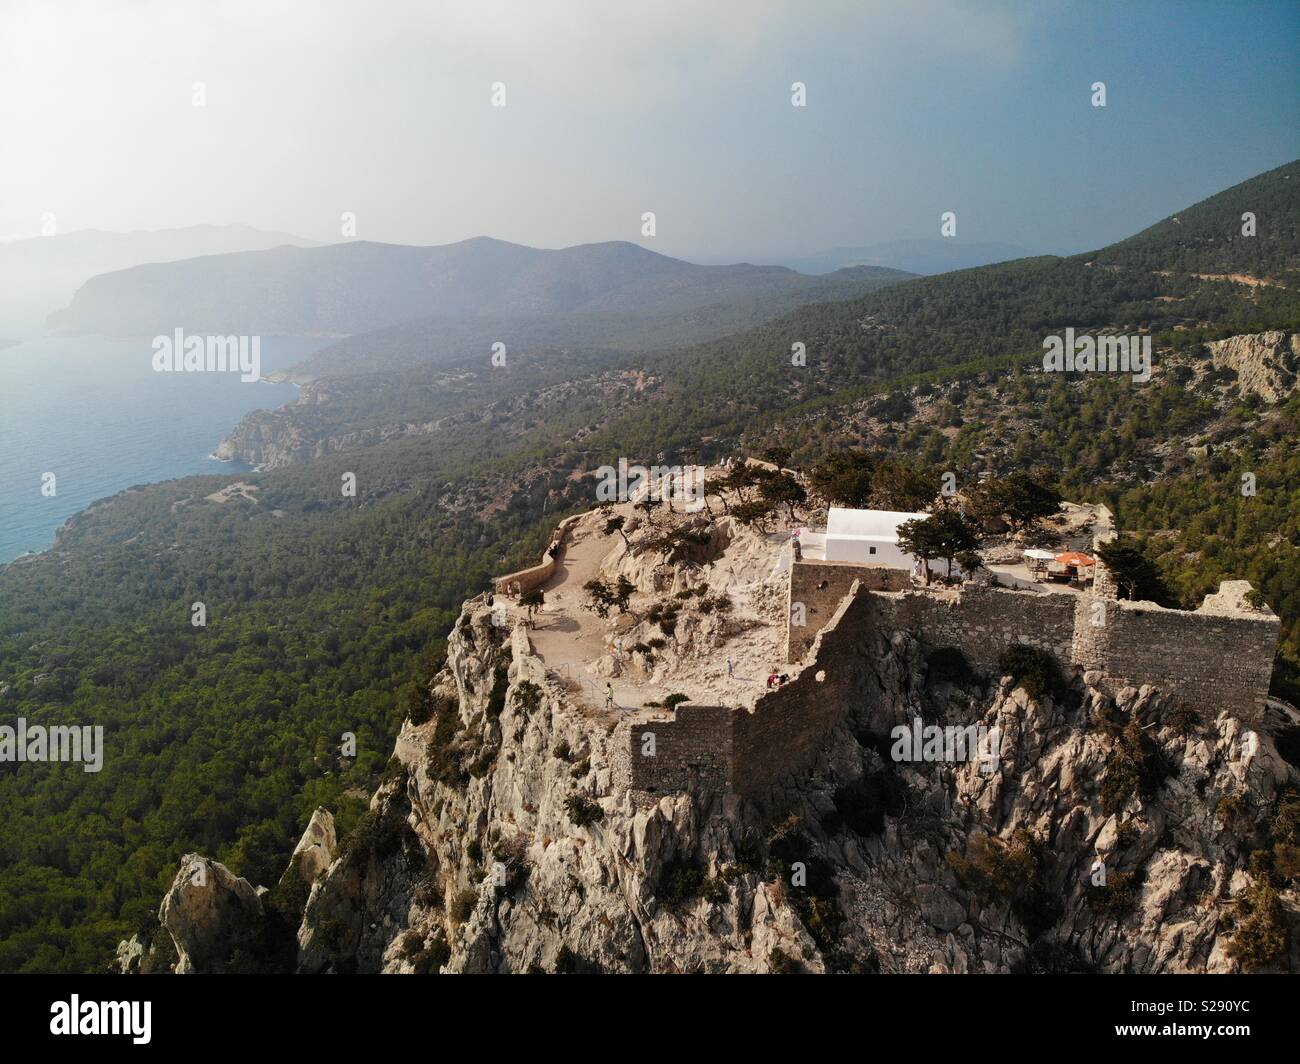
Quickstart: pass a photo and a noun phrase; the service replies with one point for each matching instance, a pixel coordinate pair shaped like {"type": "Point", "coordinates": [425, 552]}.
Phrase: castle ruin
{"type": "Point", "coordinates": [1216, 658]}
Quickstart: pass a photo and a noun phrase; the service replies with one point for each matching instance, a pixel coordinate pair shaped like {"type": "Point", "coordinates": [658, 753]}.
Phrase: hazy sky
{"type": "Point", "coordinates": [383, 108]}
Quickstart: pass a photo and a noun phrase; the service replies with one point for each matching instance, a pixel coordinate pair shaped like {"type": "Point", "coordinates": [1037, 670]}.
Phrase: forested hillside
{"type": "Point", "coordinates": [927, 324]}
{"type": "Point", "coordinates": [442, 340]}
{"type": "Point", "coordinates": [321, 608]}
{"type": "Point", "coordinates": [1208, 238]}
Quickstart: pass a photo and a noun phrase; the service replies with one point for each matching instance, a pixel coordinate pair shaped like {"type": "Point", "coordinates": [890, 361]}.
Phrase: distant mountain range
{"type": "Point", "coordinates": [442, 339]}
{"type": "Point", "coordinates": [1175, 277]}
{"type": "Point", "coordinates": [355, 287]}
{"type": "Point", "coordinates": [40, 274]}
{"type": "Point", "coordinates": [914, 256]}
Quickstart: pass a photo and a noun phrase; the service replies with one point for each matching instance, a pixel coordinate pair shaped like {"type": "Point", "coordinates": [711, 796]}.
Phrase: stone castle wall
{"type": "Point", "coordinates": [980, 622]}
{"type": "Point", "coordinates": [694, 750]}
{"type": "Point", "coordinates": [746, 751]}
{"type": "Point", "coordinates": [1207, 660]}
{"type": "Point", "coordinates": [787, 727]}
{"type": "Point", "coordinates": [820, 587]}
{"type": "Point", "coordinates": [1216, 658]}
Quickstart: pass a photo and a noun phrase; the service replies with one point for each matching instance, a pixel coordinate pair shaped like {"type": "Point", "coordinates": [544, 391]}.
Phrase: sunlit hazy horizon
{"type": "Point", "coordinates": [385, 112]}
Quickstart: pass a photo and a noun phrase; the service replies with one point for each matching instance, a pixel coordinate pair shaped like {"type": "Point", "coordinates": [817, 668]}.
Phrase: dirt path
{"type": "Point", "coordinates": [566, 636]}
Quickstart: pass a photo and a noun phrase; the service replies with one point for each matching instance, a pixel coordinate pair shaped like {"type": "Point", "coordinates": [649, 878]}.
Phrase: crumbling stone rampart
{"type": "Point", "coordinates": [1216, 658]}
{"type": "Point", "coordinates": [816, 589]}
{"type": "Point", "coordinates": [737, 750]}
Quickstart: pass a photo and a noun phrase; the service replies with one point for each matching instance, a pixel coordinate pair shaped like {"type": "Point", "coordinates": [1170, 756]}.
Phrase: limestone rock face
{"type": "Point", "coordinates": [317, 847]}
{"type": "Point", "coordinates": [488, 871]}
{"type": "Point", "coordinates": [128, 956]}
{"type": "Point", "coordinates": [214, 917]}
{"type": "Point", "coordinates": [1105, 832]}
{"type": "Point", "coordinates": [1265, 363]}
{"type": "Point", "coordinates": [478, 863]}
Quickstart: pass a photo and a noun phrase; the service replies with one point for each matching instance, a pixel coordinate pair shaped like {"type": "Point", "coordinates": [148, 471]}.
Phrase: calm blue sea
{"type": "Point", "coordinates": [94, 413]}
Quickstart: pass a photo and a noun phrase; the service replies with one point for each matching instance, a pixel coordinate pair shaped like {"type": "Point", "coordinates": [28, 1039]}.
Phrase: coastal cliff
{"type": "Point", "coordinates": [272, 439]}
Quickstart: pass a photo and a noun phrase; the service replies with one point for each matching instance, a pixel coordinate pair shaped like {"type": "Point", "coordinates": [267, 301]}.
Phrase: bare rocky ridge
{"type": "Point", "coordinates": [1265, 363]}
{"type": "Point", "coordinates": [1113, 834]}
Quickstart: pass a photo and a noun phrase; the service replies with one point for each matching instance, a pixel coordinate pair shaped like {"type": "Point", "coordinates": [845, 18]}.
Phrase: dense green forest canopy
{"type": "Point", "coordinates": [222, 739]}
{"type": "Point", "coordinates": [1208, 238]}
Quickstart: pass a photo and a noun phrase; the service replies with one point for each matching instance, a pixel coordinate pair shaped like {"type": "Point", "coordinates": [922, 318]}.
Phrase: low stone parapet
{"type": "Point", "coordinates": [536, 575]}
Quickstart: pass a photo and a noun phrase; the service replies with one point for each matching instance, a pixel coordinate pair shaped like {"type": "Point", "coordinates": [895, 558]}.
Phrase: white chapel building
{"type": "Point", "coordinates": [869, 537]}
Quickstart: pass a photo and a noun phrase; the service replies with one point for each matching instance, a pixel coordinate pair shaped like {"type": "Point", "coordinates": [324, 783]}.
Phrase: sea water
{"type": "Point", "coordinates": [95, 414]}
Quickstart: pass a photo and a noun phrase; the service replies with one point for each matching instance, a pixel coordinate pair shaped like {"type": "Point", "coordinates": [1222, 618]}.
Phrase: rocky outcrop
{"type": "Point", "coordinates": [307, 428]}
{"type": "Point", "coordinates": [316, 849]}
{"type": "Point", "coordinates": [506, 841]}
{"type": "Point", "coordinates": [514, 846]}
{"type": "Point", "coordinates": [1265, 363]}
{"type": "Point", "coordinates": [214, 918]}
{"type": "Point", "coordinates": [214, 921]}
{"type": "Point", "coordinates": [129, 955]}
{"type": "Point", "coordinates": [263, 439]}
{"type": "Point", "coordinates": [1110, 832]}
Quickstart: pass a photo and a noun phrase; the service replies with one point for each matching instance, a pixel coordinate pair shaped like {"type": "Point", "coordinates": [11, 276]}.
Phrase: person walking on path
{"type": "Point", "coordinates": [609, 696]}
{"type": "Point", "coordinates": [731, 668]}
